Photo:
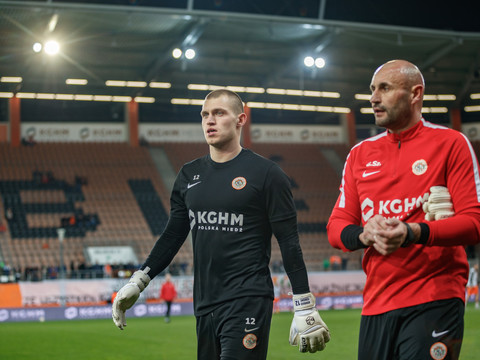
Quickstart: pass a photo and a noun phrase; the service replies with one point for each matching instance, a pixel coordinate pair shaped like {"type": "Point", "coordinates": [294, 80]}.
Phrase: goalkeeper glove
{"type": "Point", "coordinates": [127, 296]}
{"type": "Point", "coordinates": [439, 204]}
{"type": "Point", "coordinates": [308, 330]}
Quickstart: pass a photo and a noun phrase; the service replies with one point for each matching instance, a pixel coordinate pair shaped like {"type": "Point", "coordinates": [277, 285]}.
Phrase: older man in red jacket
{"type": "Point", "coordinates": [168, 293]}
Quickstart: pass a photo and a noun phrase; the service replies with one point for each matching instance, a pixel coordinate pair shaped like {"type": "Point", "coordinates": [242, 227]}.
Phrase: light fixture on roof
{"type": "Point", "coordinates": [11, 79]}
{"type": "Point", "coordinates": [319, 62]}
{"type": "Point", "coordinates": [309, 61]}
{"type": "Point", "coordinates": [363, 97]}
{"type": "Point", "coordinates": [198, 87]}
{"type": "Point", "coordinates": [52, 47]}
{"type": "Point", "coordinates": [140, 84]}
{"type": "Point", "coordinates": [440, 97]}
{"type": "Point", "coordinates": [115, 83]}
{"type": "Point", "coordinates": [76, 81]}
{"type": "Point", "coordinates": [190, 54]}
{"type": "Point", "coordinates": [64, 96]}
{"type": "Point", "coordinates": [37, 47]}
{"type": "Point", "coordinates": [45, 96]}
{"type": "Point", "coordinates": [472, 108]}
{"type": "Point", "coordinates": [123, 83]}
{"type": "Point", "coordinates": [160, 85]}
{"type": "Point", "coordinates": [435, 109]}
{"type": "Point", "coordinates": [177, 53]}
{"type": "Point", "coordinates": [144, 99]}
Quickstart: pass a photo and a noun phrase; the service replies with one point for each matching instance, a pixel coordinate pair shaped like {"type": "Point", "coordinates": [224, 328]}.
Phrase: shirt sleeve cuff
{"type": "Point", "coordinates": [350, 237]}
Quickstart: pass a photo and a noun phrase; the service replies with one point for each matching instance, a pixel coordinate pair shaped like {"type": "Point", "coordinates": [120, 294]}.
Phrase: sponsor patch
{"type": "Point", "coordinates": [419, 167]}
{"type": "Point", "coordinates": [250, 341]}
{"type": "Point", "coordinates": [374, 163]}
{"type": "Point", "coordinates": [438, 351]}
{"type": "Point", "coordinates": [239, 183]}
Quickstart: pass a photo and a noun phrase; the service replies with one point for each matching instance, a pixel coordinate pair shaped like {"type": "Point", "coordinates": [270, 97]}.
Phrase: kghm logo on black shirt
{"type": "Point", "coordinates": [216, 221]}
{"type": "Point", "coordinates": [239, 183]}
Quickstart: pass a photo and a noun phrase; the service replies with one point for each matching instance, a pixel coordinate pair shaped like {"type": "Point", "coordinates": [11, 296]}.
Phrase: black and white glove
{"type": "Point", "coordinates": [439, 204]}
{"type": "Point", "coordinates": [308, 330]}
{"type": "Point", "coordinates": [128, 295]}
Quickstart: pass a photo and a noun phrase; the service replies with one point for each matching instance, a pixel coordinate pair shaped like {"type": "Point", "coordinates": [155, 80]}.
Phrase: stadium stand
{"type": "Point", "coordinates": [106, 196]}
{"type": "Point", "coordinates": [110, 194]}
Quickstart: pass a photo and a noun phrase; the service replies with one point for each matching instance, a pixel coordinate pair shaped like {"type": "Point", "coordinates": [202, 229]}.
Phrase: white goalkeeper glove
{"type": "Point", "coordinates": [439, 204]}
{"type": "Point", "coordinates": [128, 295]}
{"type": "Point", "coordinates": [308, 330]}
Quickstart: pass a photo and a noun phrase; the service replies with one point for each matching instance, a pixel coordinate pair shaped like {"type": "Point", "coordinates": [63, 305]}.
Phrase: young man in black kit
{"type": "Point", "coordinates": [232, 200]}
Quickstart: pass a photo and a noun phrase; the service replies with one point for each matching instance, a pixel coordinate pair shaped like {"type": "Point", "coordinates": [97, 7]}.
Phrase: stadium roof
{"type": "Point", "coordinates": [252, 45]}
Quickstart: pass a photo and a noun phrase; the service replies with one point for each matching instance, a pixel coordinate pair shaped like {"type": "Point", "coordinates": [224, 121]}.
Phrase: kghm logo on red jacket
{"type": "Point", "coordinates": [398, 208]}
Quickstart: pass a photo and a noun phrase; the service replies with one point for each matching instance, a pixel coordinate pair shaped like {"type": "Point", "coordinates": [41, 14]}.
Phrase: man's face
{"type": "Point", "coordinates": [219, 122]}
{"type": "Point", "coordinates": [391, 99]}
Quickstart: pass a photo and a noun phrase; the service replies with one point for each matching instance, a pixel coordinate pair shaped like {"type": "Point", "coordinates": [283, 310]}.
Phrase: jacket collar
{"type": "Point", "coordinates": [407, 134]}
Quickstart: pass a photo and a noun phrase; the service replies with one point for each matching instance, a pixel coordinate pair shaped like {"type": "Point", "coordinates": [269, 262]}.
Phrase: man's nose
{"type": "Point", "coordinates": [374, 98]}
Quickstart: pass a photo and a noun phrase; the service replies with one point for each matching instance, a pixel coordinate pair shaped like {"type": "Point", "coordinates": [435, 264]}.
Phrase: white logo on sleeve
{"type": "Point", "coordinates": [192, 185]}
{"type": "Point", "coordinates": [435, 334]}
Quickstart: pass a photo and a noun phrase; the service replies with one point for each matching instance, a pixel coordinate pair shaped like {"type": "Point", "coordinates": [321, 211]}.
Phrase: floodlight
{"type": "Point", "coordinates": [52, 47]}
{"type": "Point", "coordinates": [177, 53]}
{"type": "Point", "coordinates": [309, 61]}
{"type": "Point", "coordinates": [37, 47]}
{"type": "Point", "coordinates": [190, 54]}
{"type": "Point", "coordinates": [319, 62]}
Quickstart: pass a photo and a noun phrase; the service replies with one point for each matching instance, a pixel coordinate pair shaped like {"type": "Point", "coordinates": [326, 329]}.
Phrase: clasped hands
{"type": "Point", "coordinates": [385, 235]}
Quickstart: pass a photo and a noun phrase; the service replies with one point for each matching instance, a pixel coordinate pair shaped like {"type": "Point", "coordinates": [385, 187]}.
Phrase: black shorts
{"type": "Point", "coordinates": [432, 330]}
{"type": "Point", "coordinates": [235, 330]}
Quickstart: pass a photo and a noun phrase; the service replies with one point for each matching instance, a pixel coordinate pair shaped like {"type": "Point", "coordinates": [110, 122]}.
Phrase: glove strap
{"type": "Point", "coordinates": [141, 279]}
{"type": "Point", "coordinates": [303, 301]}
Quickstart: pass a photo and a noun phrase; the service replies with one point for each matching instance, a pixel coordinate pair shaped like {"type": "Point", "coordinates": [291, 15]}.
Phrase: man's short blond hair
{"type": "Point", "coordinates": [234, 98]}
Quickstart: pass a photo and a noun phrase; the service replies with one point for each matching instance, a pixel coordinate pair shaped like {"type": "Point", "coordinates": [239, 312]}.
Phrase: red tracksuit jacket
{"type": "Point", "coordinates": [168, 292]}
{"type": "Point", "coordinates": [389, 175]}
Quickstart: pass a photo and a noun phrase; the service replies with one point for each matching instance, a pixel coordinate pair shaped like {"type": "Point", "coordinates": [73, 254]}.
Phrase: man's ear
{"type": "Point", "coordinates": [241, 119]}
{"type": "Point", "coordinates": [417, 93]}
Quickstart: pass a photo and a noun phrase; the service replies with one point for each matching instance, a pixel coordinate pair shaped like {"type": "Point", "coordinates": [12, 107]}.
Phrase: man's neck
{"type": "Point", "coordinates": [224, 155]}
{"type": "Point", "coordinates": [407, 125]}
